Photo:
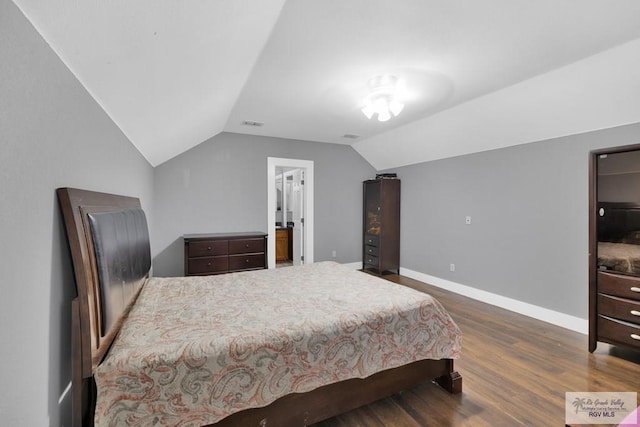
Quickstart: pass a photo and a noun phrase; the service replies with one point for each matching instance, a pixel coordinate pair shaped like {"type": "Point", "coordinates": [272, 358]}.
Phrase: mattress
{"type": "Point", "coordinates": [195, 350]}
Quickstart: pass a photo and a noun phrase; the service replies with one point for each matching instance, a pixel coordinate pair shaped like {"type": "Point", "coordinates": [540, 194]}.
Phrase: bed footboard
{"type": "Point", "coordinates": [301, 409]}
{"type": "Point", "coordinates": [451, 381]}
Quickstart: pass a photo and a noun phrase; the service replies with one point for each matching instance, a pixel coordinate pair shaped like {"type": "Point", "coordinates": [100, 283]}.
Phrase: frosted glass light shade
{"type": "Point", "coordinates": [383, 106]}
{"type": "Point", "coordinates": [368, 111]}
{"type": "Point", "coordinates": [381, 100]}
{"type": "Point", "coordinates": [395, 107]}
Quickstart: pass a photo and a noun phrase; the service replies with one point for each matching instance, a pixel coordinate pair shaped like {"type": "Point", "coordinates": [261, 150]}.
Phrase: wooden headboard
{"type": "Point", "coordinates": [102, 231]}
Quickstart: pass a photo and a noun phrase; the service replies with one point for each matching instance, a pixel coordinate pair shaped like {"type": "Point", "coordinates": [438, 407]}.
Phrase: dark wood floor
{"type": "Point", "coordinates": [515, 371]}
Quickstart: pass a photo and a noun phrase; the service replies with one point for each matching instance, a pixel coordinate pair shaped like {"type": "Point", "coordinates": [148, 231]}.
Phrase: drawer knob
{"type": "Point", "coordinates": [246, 261]}
{"type": "Point", "coordinates": [208, 248]}
{"type": "Point", "coordinates": [246, 246]}
{"type": "Point", "coordinates": [208, 264]}
{"type": "Point", "coordinates": [635, 312]}
{"type": "Point", "coordinates": [635, 337]}
{"type": "Point", "coordinates": [635, 289]}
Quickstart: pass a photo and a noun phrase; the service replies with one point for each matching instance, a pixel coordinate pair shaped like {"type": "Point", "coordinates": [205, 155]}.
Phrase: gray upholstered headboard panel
{"type": "Point", "coordinates": [123, 258]}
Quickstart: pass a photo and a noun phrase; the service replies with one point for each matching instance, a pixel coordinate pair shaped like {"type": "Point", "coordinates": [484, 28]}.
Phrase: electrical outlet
{"type": "Point", "coordinates": [467, 220]}
{"type": "Point", "coordinates": [333, 254]}
{"type": "Point", "coordinates": [452, 267]}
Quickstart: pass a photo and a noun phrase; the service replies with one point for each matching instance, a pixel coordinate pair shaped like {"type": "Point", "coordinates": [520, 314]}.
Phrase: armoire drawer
{"type": "Point", "coordinates": [372, 240]}
{"type": "Point", "coordinates": [617, 331]}
{"type": "Point", "coordinates": [619, 285]}
{"type": "Point", "coordinates": [619, 308]}
{"type": "Point", "coordinates": [371, 260]}
{"type": "Point", "coordinates": [370, 250]}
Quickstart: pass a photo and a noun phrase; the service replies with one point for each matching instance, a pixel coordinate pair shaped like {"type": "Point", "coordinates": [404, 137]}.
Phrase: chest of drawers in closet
{"type": "Point", "coordinates": [618, 309]}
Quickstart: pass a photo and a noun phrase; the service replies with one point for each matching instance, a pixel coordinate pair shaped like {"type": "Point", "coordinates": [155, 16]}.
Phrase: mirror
{"type": "Point", "coordinates": [284, 196]}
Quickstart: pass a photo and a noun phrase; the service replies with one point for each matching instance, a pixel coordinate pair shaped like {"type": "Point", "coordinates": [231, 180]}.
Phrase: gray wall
{"type": "Point", "coordinates": [221, 186]}
{"type": "Point", "coordinates": [528, 238]}
{"type": "Point", "coordinates": [52, 134]}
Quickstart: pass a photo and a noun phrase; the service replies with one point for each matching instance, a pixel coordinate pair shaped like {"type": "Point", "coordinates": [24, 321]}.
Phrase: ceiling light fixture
{"type": "Point", "coordinates": [382, 98]}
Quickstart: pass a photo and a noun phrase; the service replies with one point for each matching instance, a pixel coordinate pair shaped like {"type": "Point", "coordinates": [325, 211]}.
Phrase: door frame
{"type": "Point", "coordinates": [594, 155]}
{"type": "Point", "coordinates": [307, 165]}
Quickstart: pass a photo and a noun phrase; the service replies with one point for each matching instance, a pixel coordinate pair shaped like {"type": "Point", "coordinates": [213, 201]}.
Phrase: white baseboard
{"type": "Point", "coordinates": [566, 321]}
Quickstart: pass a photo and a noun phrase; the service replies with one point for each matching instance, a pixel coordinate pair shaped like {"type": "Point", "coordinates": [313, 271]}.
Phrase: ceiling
{"type": "Point", "coordinates": [478, 75]}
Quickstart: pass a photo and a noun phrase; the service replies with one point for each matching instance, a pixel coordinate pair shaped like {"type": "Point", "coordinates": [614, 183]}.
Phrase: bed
{"type": "Point", "coordinates": [290, 347]}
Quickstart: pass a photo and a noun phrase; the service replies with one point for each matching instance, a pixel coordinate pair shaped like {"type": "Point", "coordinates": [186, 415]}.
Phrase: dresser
{"type": "Point", "coordinates": [219, 253]}
{"type": "Point", "coordinates": [381, 226]}
{"type": "Point", "coordinates": [618, 309]}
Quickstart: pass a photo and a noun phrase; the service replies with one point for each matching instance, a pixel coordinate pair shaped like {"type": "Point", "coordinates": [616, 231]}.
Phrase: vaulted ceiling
{"type": "Point", "coordinates": [478, 75]}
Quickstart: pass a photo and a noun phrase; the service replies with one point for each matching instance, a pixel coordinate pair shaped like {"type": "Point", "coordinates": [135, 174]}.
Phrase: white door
{"type": "Point", "coordinates": [297, 208]}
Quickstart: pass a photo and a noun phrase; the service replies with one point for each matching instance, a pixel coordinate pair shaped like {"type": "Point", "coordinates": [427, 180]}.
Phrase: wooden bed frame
{"type": "Point", "coordinates": [90, 345]}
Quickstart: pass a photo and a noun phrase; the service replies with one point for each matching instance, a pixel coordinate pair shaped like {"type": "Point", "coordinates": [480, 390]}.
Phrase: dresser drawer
{"type": "Point", "coordinates": [208, 265]}
{"type": "Point", "coordinates": [619, 308]}
{"type": "Point", "coordinates": [244, 262]}
{"type": "Point", "coordinates": [208, 248]}
{"type": "Point", "coordinates": [370, 250]}
{"type": "Point", "coordinates": [372, 240]}
{"type": "Point", "coordinates": [619, 285]}
{"type": "Point", "coordinates": [617, 331]}
{"type": "Point", "coordinates": [245, 246]}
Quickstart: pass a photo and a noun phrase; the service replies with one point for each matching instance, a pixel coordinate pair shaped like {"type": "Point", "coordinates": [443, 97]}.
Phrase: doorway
{"type": "Point", "coordinates": [289, 216]}
{"type": "Point", "coordinates": [614, 245]}
{"type": "Point", "coordinates": [290, 207]}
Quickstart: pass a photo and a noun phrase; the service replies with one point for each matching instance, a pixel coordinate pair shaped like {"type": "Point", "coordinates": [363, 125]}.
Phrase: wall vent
{"type": "Point", "coordinates": [350, 136]}
{"type": "Point", "coordinates": [252, 123]}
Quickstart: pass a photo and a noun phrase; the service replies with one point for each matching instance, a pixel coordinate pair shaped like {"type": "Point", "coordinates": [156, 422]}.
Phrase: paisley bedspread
{"type": "Point", "coordinates": [197, 349]}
